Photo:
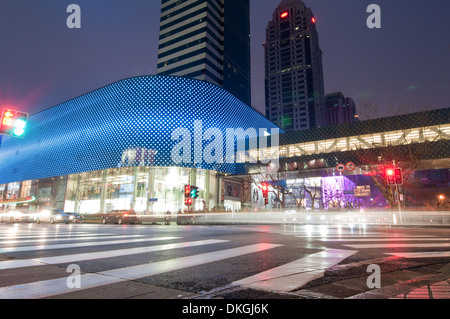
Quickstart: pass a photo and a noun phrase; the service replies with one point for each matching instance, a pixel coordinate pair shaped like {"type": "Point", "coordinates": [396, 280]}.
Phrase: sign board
{"type": "Point", "coordinates": [340, 168]}
{"type": "Point", "coordinates": [350, 166]}
{"type": "Point", "coordinates": [232, 191]}
{"type": "Point", "coordinates": [153, 200]}
{"type": "Point", "coordinates": [362, 191]}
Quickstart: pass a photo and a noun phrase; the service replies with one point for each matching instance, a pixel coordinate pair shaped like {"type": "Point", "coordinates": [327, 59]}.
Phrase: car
{"type": "Point", "coordinates": [124, 216]}
{"type": "Point", "coordinates": [52, 216]}
{"type": "Point", "coordinates": [75, 218]}
{"type": "Point", "coordinates": [15, 216]}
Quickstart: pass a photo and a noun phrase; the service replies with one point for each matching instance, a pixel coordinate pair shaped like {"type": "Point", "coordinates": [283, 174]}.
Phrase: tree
{"type": "Point", "coordinates": [283, 185]}
{"type": "Point", "coordinates": [313, 190]}
{"type": "Point", "coordinates": [404, 153]}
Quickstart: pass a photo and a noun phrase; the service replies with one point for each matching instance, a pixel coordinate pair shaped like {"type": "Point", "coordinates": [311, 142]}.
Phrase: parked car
{"type": "Point", "coordinates": [15, 216]}
{"type": "Point", "coordinates": [75, 218]}
{"type": "Point", "coordinates": [52, 216]}
{"type": "Point", "coordinates": [125, 216]}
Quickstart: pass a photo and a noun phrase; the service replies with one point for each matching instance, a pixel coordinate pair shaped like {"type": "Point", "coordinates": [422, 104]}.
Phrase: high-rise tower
{"type": "Point", "coordinates": [208, 40]}
{"type": "Point", "coordinates": [295, 98]}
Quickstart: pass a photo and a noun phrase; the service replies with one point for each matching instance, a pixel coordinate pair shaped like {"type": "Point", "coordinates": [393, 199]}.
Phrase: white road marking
{"type": "Point", "coordinates": [59, 286]}
{"type": "Point", "coordinates": [423, 254]}
{"type": "Point", "coordinates": [45, 240]}
{"type": "Point", "coordinates": [398, 245]}
{"type": "Point", "coordinates": [86, 244]}
{"type": "Point", "coordinates": [386, 239]}
{"type": "Point", "coordinates": [10, 264]}
{"type": "Point", "coordinates": [296, 274]}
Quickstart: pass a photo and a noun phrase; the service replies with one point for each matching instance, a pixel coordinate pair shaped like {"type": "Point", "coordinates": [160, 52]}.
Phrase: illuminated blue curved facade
{"type": "Point", "coordinates": [127, 123]}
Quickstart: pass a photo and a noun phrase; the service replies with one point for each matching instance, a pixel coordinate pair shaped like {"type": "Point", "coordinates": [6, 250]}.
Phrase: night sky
{"type": "Point", "coordinates": [403, 67]}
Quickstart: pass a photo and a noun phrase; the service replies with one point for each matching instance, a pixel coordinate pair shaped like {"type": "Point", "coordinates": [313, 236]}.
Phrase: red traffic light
{"type": "Point", "coordinates": [398, 176]}
{"type": "Point", "coordinates": [265, 190]}
{"type": "Point", "coordinates": [7, 121]}
{"type": "Point", "coordinates": [394, 176]}
{"type": "Point", "coordinates": [188, 202]}
{"type": "Point", "coordinates": [187, 190]}
{"type": "Point", "coordinates": [13, 123]}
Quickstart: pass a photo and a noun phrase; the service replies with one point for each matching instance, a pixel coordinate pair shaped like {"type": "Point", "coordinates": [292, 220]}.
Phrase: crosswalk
{"type": "Point", "coordinates": [388, 242]}
{"type": "Point", "coordinates": [27, 251]}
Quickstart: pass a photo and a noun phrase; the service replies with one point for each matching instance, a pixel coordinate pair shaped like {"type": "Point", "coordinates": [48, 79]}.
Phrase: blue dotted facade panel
{"type": "Point", "coordinates": [127, 123]}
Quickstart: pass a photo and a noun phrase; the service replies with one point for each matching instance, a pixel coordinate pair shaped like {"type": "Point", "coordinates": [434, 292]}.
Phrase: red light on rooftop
{"type": "Point", "coordinates": [313, 20]}
{"type": "Point", "coordinates": [284, 15]}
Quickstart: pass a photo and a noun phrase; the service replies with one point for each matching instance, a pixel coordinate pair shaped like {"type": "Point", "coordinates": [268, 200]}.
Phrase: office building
{"type": "Point", "coordinates": [295, 98]}
{"type": "Point", "coordinates": [207, 40]}
{"type": "Point", "coordinates": [340, 109]}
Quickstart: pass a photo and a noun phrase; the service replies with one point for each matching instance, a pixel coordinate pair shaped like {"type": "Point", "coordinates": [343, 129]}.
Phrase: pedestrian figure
{"type": "Point", "coordinates": [167, 218]}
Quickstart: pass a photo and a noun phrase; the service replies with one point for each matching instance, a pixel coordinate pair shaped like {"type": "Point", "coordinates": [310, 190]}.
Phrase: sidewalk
{"type": "Point", "coordinates": [440, 290]}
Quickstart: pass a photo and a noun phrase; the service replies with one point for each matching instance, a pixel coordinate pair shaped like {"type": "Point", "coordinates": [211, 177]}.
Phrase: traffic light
{"type": "Point", "coordinates": [194, 192]}
{"type": "Point", "coordinates": [390, 176]}
{"type": "Point", "coordinates": [187, 191]}
{"type": "Point", "coordinates": [7, 121]}
{"type": "Point", "coordinates": [188, 202]}
{"type": "Point", "coordinates": [265, 190]}
{"type": "Point", "coordinates": [398, 176]}
{"type": "Point", "coordinates": [13, 123]}
{"type": "Point", "coordinates": [187, 195]}
{"type": "Point", "coordinates": [394, 176]}
{"type": "Point", "coordinates": [20, 124]}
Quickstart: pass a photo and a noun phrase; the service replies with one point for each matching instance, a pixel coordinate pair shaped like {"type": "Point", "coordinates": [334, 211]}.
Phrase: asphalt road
{"type": "Point", "coordinates": [92, 261]}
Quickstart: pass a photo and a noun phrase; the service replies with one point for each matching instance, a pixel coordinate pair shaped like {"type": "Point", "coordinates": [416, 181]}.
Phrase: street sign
{"type": "Point", "coordinates": [340, 168]}
{"type": "Point", "coordinates": [153, 200]}
{"type": "Point", "coordinates": [362, 191]}
{"type": "Point", "coordinates": [350, 166]}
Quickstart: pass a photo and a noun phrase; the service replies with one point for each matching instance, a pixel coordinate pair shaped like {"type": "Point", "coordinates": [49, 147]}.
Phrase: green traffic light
{"type": "Point", "coordinates": [194, 192]}
{"type": "Point", "coordinates": [19, 125]}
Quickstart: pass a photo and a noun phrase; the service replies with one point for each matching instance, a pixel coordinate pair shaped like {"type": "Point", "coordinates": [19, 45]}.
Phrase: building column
{"type": "Point", "coordinates": [103, 191]}
{"type": "Point", "coordinates": [207, 190]}
{"type": "Point", "coordinates": [135, 182]}
{"type": "Point", "coordinates": [150, 188]}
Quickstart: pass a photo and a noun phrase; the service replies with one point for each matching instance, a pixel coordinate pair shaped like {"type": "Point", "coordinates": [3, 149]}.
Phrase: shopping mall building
{"type": "Point", "coordinates": [136, 143]}
{"type": "Point", "coordinates": [133, 144]}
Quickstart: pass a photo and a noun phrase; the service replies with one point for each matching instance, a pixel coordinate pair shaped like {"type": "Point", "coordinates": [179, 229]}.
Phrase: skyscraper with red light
{"type": "Point", "coordinates": [295, 98]}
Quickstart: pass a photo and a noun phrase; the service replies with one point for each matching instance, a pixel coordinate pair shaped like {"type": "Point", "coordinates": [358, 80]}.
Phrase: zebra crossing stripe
{"type": "Point", "coordinates": [50, 236]}
{"type": "Point", "coordinates": [85, 244]}
{"type": "Point", "coordinates": [424, 254]}
{"type": "Point", "coordinates": [386, 239]}
{"type": "Point", "coordinates": [47, 288]}
{"type": "Point", "coordinates": [399, 245]}
{"type": "Point", "coordinates": [42, 233]}
{"type": "Point", "coordinates": [45, 240]}
{"type": "Point", "coordinates": [295, 275]}
{"type": "Point", "coordinates": [10, 264]}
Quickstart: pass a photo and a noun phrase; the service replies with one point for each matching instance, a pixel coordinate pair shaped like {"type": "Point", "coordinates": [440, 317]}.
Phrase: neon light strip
{"type": "Point", "coordinates": [31, 199]}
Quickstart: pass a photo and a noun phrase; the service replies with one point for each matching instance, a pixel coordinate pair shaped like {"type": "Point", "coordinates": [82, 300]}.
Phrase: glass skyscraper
{"type": "Point", "coordinates": [207, 40]}
{"type": "Point", "coordinates": [295, 98]}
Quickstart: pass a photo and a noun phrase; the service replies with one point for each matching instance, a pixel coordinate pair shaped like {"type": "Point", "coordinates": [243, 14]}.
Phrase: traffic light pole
{"type": "Point", "coordinates": [398, 199]}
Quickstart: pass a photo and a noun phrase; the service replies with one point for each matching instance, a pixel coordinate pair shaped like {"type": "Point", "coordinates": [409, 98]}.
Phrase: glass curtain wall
{"type": "Point", "coordinates": [147, 190]}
